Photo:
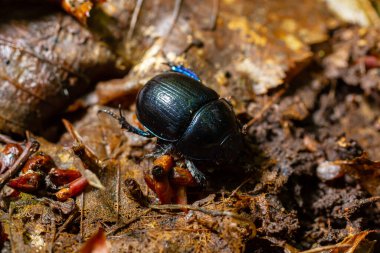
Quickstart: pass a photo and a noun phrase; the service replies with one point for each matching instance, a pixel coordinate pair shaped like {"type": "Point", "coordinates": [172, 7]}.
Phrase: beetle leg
{"type": "Point", "coordinates": [125, 125]}
{"type": "Point", "coordinates": [199, 177]}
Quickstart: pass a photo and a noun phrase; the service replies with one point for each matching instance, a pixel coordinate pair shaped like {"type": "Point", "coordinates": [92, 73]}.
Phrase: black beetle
{"type": "Point", "coordinates": [189, 117]}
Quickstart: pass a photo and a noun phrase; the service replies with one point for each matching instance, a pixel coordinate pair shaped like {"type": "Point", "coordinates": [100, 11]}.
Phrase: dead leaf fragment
{"type": "Point", "coordinates": [358, 243]}
{"type": "Point", "coordinates": [355, 11]}
{"type": "Point", "coordinates": [47, 61]}
{"type": "Point", "coordinates": [96, 244]}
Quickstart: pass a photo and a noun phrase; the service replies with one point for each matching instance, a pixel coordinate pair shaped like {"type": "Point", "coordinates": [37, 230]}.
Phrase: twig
{"type": "Point", "coordinates": [30, 147]}
{"type": "Point", "coordinates": [28, 135]}
{"type": "Point", "coordinates": [88, 152]}
{"type": "Point", "coordinates": [328, 247]}
{"type": "Point", "coordinates": [187, 229]}
{"type": "Point", "coordinates": [237, 188]}
{"type": "Point", "coordinates": [66, 224]}
{"type": "Point", "coordinates": [90, 161]}
{"type": "Point", "coordinates": [214, 15]}
{"type": "Point", "coordinates": [175, 15]}
{"type": "Point", "coordinates": [81, 214]}
{"type": "Point", "coordinates": [134, 18]}
{"type": "Point", "coordinates": [260, 114]}
{"type": "Point", "coordinates": [7, 139]}
{"type": "Point", "coordinates": [118, 192]}
{"type": "Point", "coordinates": [53, 228]}
{"type": "Point", "coordinates": [10, 228]}
{"type": "Point", "coordinates": [205, 200]}
{"type": "Point", "coordinates": [199, 209]}
{"type": "Point", "coordinates": [128, 222]}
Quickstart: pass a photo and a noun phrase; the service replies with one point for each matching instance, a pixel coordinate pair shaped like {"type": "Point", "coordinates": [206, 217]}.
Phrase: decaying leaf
{"type": "Point", "coordinates": [357, 242]}
{"type": "Point", "coordinates": [79, 9]}
{"type": "Point", "coordinates": [268, 41]}
{"type": "Point", "coordinates": [367, 172]}
{"type": "Point", "coordinates": [355, 11]}
{"type": "Point", "coordinates": [47, 61]}
{"type": "Point", "coordinates": [271, 199]}
{"type": "Point", "coordinates": [96, 244]}
{"type": "Point", "coordinates": [3, 236]}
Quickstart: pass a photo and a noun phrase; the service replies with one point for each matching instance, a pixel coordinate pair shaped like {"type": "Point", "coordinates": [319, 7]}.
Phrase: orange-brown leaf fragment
{"type": "Point", "coordinates": [357, 243]}
{"type": "Point", "coordinates": [367, 172]}
{"type": "Point", "coordinates": [96, 244]}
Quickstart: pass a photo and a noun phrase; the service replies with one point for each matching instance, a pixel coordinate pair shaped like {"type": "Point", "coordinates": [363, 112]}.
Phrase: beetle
{"type": "Point", "coordinates": [187, 117]}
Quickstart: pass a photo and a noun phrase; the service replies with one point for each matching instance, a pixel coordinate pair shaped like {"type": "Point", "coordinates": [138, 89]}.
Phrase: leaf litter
{"type": "Point", "coordinates": [307, 180]}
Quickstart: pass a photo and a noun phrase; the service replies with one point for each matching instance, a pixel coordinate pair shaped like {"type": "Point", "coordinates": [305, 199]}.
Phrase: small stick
{"type": "Point", "coordinates": [135, 15]}
{"type": "Point", "coordinates": [66, 224]}
{"type": "Point", "coordinates": [30, 147]}
{"type": "Point", "coordinates": [199, 209]}
{"type": "Point", "coordinates": [53, 230]}
{"type": "Point", "coordinates": [260, 114]}
{"type": "Point", "coordinates": [11, 242]}
{"type": "Point", "coordinates": [128, 222]}
{"type": "Point", "coordinates": [81, 215]}
{"type": "Point", "coordinates": [118, 192]}
{"type": "Point", "coordinates": [77, 138]}
{"type": "Point", "coordinates": [175, 15]}
{"type": "Point", "coordinates": [237, 188]}
{"type": "Point", "coordinates": [214, 15]}
{"type": "Point", "coordinates": [187, 229]}
{"type": "Point", "coordinates": [7, 139]}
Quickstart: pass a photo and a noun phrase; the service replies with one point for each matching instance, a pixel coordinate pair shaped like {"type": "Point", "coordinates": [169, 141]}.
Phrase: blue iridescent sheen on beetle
{"type": "Point", "coordinates": [188, 116]}
{"type": "Point", "coordinates": [181, 69]}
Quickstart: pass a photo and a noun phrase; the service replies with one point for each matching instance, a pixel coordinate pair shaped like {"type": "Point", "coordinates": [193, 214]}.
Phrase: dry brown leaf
{"type": "Point", "coordinates": [367, 172]}
{"type": "Point", "coordinates": [47, 61]}
{"type": "Point", "coordinates": [268, 42]}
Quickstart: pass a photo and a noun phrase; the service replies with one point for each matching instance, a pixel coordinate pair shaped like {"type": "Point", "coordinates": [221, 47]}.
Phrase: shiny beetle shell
{"type": "Point", "coordinates": [181, 110]}
{"type": "Point", "coordinates": [167, 103]}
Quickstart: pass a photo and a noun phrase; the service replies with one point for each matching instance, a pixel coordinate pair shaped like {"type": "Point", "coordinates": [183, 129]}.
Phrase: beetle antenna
{"type": "Point", "coordinates": [124, 123]}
